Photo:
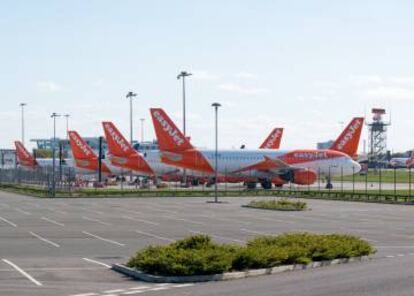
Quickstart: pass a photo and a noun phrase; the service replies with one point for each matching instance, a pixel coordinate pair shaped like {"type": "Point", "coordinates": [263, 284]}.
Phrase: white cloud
{"type": "Point", "coordinates": [326, 84]}
{"type": "Point", "coordinates": [364, 80]}
{"type": "Point", "coordinates": [204, 75]}
{"type": "Point", "coordinates": [237, 88]}
{"type": "Point", "coordinates": [390, 92]}
{"type": "Point", "coordinates": [246, 75]}
{"type": "Point", "coordinates": [385, 87]}
{"type": "Point", "coordinates": [48, 86]}
{"type": "Point", "coordinates": [402, 80]}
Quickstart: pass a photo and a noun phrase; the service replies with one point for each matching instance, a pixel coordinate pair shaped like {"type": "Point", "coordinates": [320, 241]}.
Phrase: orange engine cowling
{"type": "Point", "coordinates": [304, 176]}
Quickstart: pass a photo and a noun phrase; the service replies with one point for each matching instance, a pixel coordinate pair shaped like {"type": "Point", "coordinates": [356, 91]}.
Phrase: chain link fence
{"type": "Point", "coordinates": [386, 184]}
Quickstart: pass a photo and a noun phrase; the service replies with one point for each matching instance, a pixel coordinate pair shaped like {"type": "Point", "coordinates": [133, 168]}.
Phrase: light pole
{"type": "Point", "coordinates": [54, 115]}
{"type": "Point", "coordinates": [22, 107]}
{"type": "Point", "coordinates": [142, 129]}
{"type": "Point", "coordinates": [67, 125]}
{"type": "Point", "coordinates": [216, 106]}
{"type": "Point", "coordinates": [130, 95]}
{"type": "Point", "coordinates": [183, 75]}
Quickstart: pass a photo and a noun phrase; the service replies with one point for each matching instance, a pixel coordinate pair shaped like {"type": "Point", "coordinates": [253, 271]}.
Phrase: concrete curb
{"type": "Point", "coordinates": [283, 210]}
{"type": "Point", "coordinates": [139, 275]}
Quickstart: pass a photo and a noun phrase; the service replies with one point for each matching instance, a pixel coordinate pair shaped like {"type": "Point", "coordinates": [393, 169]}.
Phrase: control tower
{"type": "Point", "coordinates": [377, 155]}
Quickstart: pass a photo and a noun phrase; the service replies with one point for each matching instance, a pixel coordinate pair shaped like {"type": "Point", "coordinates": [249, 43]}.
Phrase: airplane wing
{"type": "Point", "coordinates": [270, 165]}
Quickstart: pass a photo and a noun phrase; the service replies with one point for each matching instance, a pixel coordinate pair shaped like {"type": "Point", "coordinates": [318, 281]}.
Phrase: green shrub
{"type": "Point", "coordinates": [199, 255]}
{"type": "Point", "coordinates": [263, 257]}
{"type": "Point", "coordinates": [281, 205]}
{"type": "Point", "coordinates": [194, 242]}
{"type": "Point", "coordinates": [190, 256]}
{"type": "Point", "coordinates": [308, 247]}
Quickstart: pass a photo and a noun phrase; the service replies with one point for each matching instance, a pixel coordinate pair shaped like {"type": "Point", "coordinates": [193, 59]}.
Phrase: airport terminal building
{"type": "Point", "coordinates": [7, 158]}
{"type": "Point", "coordinates": [93, 142]}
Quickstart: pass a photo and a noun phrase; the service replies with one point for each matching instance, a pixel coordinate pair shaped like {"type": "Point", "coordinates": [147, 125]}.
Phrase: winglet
{"type": "Point", "coordinates": [348, 140]}
{"type": "Point", "coordinates": [23, 156]}
{"type": "Point", "coordinates": [170, 138]}
{"type": "Point", "coordinates": [273, 140]}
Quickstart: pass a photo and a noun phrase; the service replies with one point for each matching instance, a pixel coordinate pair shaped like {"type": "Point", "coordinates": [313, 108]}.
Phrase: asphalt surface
{"type": "Point", "coordinates": [65, 246]}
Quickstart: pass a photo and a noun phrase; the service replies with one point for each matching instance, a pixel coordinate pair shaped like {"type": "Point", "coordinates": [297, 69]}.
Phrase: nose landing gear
{"type": "Point", "coordinates": [328, 184]}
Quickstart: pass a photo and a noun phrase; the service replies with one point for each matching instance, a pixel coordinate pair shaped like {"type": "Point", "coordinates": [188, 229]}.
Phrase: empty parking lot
{"type": "Point", "coordinates": [65, 246]}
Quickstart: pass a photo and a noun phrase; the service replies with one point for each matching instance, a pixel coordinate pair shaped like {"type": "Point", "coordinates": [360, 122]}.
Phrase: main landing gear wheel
{"type": "Point", "coordinates": [266, 184]}
{"type": "Point", "coordinates": [251, 185]}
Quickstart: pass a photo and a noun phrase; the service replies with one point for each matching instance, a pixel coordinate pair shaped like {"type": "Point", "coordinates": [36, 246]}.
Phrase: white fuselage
{"type": "Point", "coordinates": [230, 161]}
{"type": "Point", "coordinates": [399, 162]}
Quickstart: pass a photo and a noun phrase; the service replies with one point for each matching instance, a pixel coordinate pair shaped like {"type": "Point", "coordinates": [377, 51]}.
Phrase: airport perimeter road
{"type": "Point", "coordinates": [65, 246]}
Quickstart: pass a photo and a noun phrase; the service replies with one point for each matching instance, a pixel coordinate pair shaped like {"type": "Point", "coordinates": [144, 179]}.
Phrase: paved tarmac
{"type": "Point", "coordinates": [65, 246]}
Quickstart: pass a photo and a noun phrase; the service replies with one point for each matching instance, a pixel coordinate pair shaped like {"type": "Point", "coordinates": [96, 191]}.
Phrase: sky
{"type": "Point", "coordinates": [307, 66]}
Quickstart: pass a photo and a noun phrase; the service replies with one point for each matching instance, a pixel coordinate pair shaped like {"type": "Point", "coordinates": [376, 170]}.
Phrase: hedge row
{"type": "Point", "coordinates": [199, 255]}
{"type": "Point", "coordinates": [280, 205]}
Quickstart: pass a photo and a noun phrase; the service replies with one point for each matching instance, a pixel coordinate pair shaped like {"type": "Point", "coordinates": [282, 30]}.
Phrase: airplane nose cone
{"type": "Point", "coordinates": [356, 166]}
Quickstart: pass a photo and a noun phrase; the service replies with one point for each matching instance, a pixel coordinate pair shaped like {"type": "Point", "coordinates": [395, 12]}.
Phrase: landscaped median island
{"type": "Point", "coordinates": [198, 258]}
{"type": "Point", "coordinates": [278, 205]}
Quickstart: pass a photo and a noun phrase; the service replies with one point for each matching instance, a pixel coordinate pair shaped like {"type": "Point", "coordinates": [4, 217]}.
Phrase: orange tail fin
{"type": "Point", "coordinates": [170, 138]}
{"type": "Point", "coordinates": [23, 156]}
{"type": "Point", "coordinates": [348, 140]}
{"type": "Point", "coordinates": [273, 140]}
{"type": "Point", "coordinates": [122, 153]}
{"type": "Point", "coordinates": [83, 154]}
{"type": "Point", "coordinates": [176, 149]}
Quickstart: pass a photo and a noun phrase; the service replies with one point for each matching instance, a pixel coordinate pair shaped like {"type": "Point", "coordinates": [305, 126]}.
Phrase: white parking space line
{"type": "Point", "coordinates": [235, 220]}
{"type": "Point", "coordinates": [97, 262]}
{"type": "Point", "coordinates": [154, 236]}
{"type": "Point", "coordinates": [45, 240]}
{"type": "Point", "coordinates": [185, 220]}
{"type": "Point", "coordinates": [96, 220]}
{"type": "Point", "coordinates": [182, 285]}
{"type": "Point", "coordinates": [94, 211]}
{"type": "Point", "coordinates": [56, 211]}
{"type": "Point", "coordinates": [133, 212]}
{"type": "Point", "coordinates": [103, 239]}
{"type": "Point", "coordinates": [8, 222]}
{"type": "Point", "coordinates": [62, 268]}
{"type": "Point", "coordinates": [161, 210]}
{"type": "Point", "coordinates": [136, 290]}
{"type": "Point", "coordinates": [139, 288]}
{"type": "Point", "coordinates": [141, 220]}
{"type": "Point", "coordinates": [22, 272]}
{"type": "Point", "coordinates": [22, 211]}
{"type": "Point", "coordinates": [114, 291]}
{"type": "Point", "coordinates": [52, 221]}
{"type": "Point", "coordinates": [159, 289]}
